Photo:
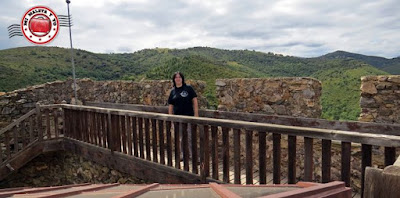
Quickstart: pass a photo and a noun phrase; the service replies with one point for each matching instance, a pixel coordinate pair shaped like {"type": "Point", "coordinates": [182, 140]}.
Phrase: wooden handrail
{"type": "Point", "coordinates": [345, 136]}
{"type": "Point", "coordinates": [365, 127]}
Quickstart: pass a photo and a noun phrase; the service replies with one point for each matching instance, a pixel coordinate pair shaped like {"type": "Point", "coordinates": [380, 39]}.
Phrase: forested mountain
{"type": "Point", "coordinates": [340, 76]}
{"type": "Point", "coordinates": [389, 65]}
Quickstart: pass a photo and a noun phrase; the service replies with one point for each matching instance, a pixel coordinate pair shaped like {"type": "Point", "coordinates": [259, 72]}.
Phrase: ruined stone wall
{"type": "Point", "coordinates": [15, 104]}
{"type": "Point", "coordinates": [380, 99]}
{"type": "Point", "coordinates": [279, 96]}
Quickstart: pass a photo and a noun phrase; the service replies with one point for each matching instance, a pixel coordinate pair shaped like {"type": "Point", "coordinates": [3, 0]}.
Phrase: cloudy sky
{"type": "Point", "coordinates": [305, 28]}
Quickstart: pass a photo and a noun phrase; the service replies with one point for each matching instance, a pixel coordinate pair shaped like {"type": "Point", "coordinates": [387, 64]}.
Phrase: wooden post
{"type": "Point", "coordinates": [161, 140]}
{"type": "Point", "coordinates": [154, 138]}
{"type": "Point", "coordinates": [346, 154]}
{"type": "Point", "coordinates": [326, 160]}
{"type": "Point", "coordinates": [177, 128]}
{"type": "Point", "coordinates": [249, 157]}
{"type": "Point", "coordinates": [169, 142]}
{"type": "Point", "coordinates": [291, 159]}
{"type": "Point", "coordinates": [194, 149]}
{"type": "Point", "coordinates": [129, 133]}
{"type": "Point", "coordinates": [382, 183]}
{"type": "Point", "coordinates": [185, 147]}
{"type": "Point", "coordinates": [147, 134]}
{"type": "Point", "coordinates": [141, 146]}
{"type": "Point", "coordinates": [366, 160]}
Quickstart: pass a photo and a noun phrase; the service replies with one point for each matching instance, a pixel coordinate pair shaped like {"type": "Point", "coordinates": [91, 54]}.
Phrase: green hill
{"type": "Point", "coordinates": [391, 66]}
{"type": "Point", "coordinates": [340, 77]}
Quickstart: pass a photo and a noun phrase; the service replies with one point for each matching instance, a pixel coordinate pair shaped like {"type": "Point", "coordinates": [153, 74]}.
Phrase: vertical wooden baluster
{"type": "Point", "coordinates": [169, 143]}
{"type": "Point", "coordinates": [7, 143]}
{"type": "Point", "coordinates": [161, 138]}
{"type": "Point", "coordinates": [185, 147]}
{"type": "Point", "coordinates": [90, 126]}
{"type": "Point", "coordinates": [308, 159]}
{"type": "Point", "coordinates": [194, 148]}
{"type": "Point", "coordinates": [276, 138]}
{"type": "Point", "coordinates": [96, 128]}
{"type": "Point", "coordinates": [225, 154]}
{"type": "Point", "coordinates": [85, 126]}
{"type": "Point", "coordinates": [147, 133]}
{"type": "Point", "coordinates": [291, 159]}
{"type": "Point", "coordinates": [177, 127]}
{"type": "Point", "coordinates": [390, 156]}
{"type": "Point", "coordinates": [249, 157]}
{"type": "Point", "coordinates": [15, 130]}
{"type": "Point", "coordinates": [40, 122]}
{"type": "Point", "coordinates": [63, 117]}
{"type": "Point", "coordinates": [47, 112]}
{"type": "Point", "coordinates": [346, 154]}
{"type": "Point", "coordinates": [23, 134]}
{"type": "Point", "coordinates": [110, 131]}
{"type": "Point", "coordinates": [55, 116]}
{"type": "Point", "coordinates": [105, 129]}
{"type": "Point", "coordinates": [123, 134]}
{"type": "Point", "coordinates": [366, 160]}
{"type": "Point", "coordinates": [326, 160]}
{"type": "Point", "coordinates": [135, 137]}
{"type": "Point", "coordinates": [31, 137]}
{"type": "Point", "coordinates": [129, 133]}
{"type": "Point", "coordinates": [155, 144]}
{"type": "Point", "coordinates": [262, 154]}
{"type": "Point", "coordinates": [118, 133]}
{"type": "Point", "coordinates": [204, 152]}
{"type": "Point", "coordinates": [214, 151]}
{"type": "Point", "coordinates": [141, 146]}
{"type": "Point", "coordinates": [236, 153]}
{"type": "Point", "coordinates": [99, 129]}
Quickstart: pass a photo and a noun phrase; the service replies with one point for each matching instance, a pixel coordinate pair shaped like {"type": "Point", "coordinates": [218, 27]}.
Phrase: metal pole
{"type": "Point", "coordinates": [72, 53]}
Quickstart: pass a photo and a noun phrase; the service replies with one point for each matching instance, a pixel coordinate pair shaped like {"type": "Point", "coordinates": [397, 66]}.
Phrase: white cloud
{"type": "Point", "coordinates": [293, 27]}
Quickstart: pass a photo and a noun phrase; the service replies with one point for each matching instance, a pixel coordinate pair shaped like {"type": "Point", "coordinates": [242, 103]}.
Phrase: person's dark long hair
{"type": "Point", "coordinates": [183, 78]}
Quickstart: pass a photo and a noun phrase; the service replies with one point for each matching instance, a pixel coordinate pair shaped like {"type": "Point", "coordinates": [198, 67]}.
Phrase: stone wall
{"type": "Point", "coordinates": [380, 99]}
{"type": "Point", "coordinates": [279, 96]}
{"type": "Point", "coordinates": [63, 168]}
{"type": "Point", "coordinates": [15, 104]}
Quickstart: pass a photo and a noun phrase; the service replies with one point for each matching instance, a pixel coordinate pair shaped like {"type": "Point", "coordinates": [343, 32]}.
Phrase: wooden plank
{"type": "Point", "coordinates": [390, 156]}
{"type": "Point", "coordinates": [214, 151]}
{"type": "Point", "coordinates": [78, 191]}
{"type": "Point", "coordinates": [123, 135]}
{"type": "Point", "coordinates": [56, 123]}
{"type": "Point", "coordinates": [185, 146]}
{"type": "Point", "coordinates": [308, 159]}
{"type": "Point", "coordinates": [147, 134]}
{"type": "Point", "coordinates": [225, 154]}
{"type": "Point", "coordinates": [326, 160]}
{"type": "Point", "coordinates": [194, 149]}
{"type": "Point", "coordinates": [249, 157]}
{"type": "Point", "coordinates": [202, 151]}
{"type": "Point", "coordinates": [291, 159]}
{"type": "Point", "coordinates": [161, 140]}
{"type": "Point", "coordinates": [64, 126]}
{"type": "Point", "coordinates": [129, 134]}
{"type": "Point", "coordinates": [346, 136]}
{"type": "Point", "coordinates": [346, 155]}
{"type": "Point", "coordinates": [66, 123]}
{"type": "Point", "coordinates": [154, 138]}
{"type": "Point", "coordinates": [135, 137]}
{"type": "Point", "coordinates": [169, 142]}
{"type": "Point", "coordinates": [99, 129]}
{"type": "Point", "coordinates": [276, 138]}
{"type": "Point", "coordinates": [366, 160]}
{"type": "Point", "coordinates": [262, 154]}
{"type": "Point", "coordinates": [23, 134]}
{"type": "Point", "coordinates": [117, 134]}
{"type": "Point", "coordinates": [47, 114]}
{"type": "Point", "coordinates": [236, 154]}
{"type": "Point", "coordinates": [177, 128]}
{"type": "Point", "coordinates": [141, 145]}
{"type": "Point", "coordinates": [90, 126]}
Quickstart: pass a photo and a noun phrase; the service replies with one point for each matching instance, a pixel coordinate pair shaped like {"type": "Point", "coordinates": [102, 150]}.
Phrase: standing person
{"type": "Point", "coordinates": [183, 101]}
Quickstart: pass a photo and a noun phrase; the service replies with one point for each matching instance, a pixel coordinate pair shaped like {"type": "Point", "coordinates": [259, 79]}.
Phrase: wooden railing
{"type": "Point", "coordinates": [36, 125]}
{"type": "Point", "coordinates": [234, 142]}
